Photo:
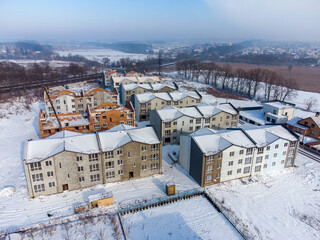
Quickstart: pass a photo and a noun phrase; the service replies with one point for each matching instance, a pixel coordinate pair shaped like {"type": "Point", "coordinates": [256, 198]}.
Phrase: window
{"type": "Point", "coordinates": [275, 155]}
{"type": "Point", "coordinates": [268, 148]}
{"type": "Point", "coordinates": [121, 115]}
{"type": "Point", "coordinates": [39, 188]}
{"type": "Point", "coordinates": [94, 167]}
{"type": "Point", "coordinates": [119, 152]}
{"type": "Point", "coordinates": [210, 159]}
{"type": "Point", "coordinates": [175, 123]}
{"type": "Point", "coordinates": [219, 165]}
{"type": "Point", "coordinates": [144, 158]}
{"type": "Point", "coordinates": [80, 169]}
{"type": "Point", "coordinates": [276, 146]}
{"type": "Point", "coordinates": [240, 161]}
{"type": "Point", "coordinates": [154, 147]}
{"type": "Point", "coordinates": [60, 166]}
{"type": "Point", "coordinates": [231, 154]}
{"type": "Point", "coordinates": [249, 151]}
{"type": "Point", "coordinates": [129, 154]}
{"type": "Point", "coordinates": [207, 120]}
{"type": "Point", "coordinates": [50, 174]}
{"type": "Point", "coordinates": [52, 184]}
{"type": "Point", "coordinates": [282, 161]}
{"type": "Point", "coordinates": [286, 144]}
{"type": "Point", "coordinates": [109, 165]}
{"type": "Point", "coordinates": [35, 166]}
{"type": "Point", "coordinates": [95, 177]}
{"type": "Point", "coordinates": [79, 158]}
{"type": "Point", "coordinates": [144, 167]}
{"type": "Point", "coordinates": [266, 157]}
{"type": "Point", "coordinates": [257, 168]}
{"type": "Point", "coordinates": [134, 164]}
{"type": "Point", "coordinates": [260, 150]}
{"type": "Point", "coordinates": [167, 124]}
{"type": "Point", "coordinates": [230, 163]}
{"type": "Point", "coordinates": [218, 175]}
{"type": "Point", "coordinates": [265, 165]}
{"type": "Point", "coordinates": [241, 152]}
{"type": "Point", "coordinates": [120, 162]}
{"type": "Point", "coordinates": [239, 170]}
{"type": "Point", "coordinates": [259, 159]}
{"type": "Point", "coordinates": [167, 132]}
{"type": "Point", "coordinates": [284, 153]}
{"type": "Point", "coordinates": [190, 128]}
{"type": "Point", "coordinates": [248, 160]}
{"type": "Point", "coordinates": [93, 157]}
{"type": "Point", "coordinates": [209, 169]}
{"type": "Point", "coordinates": [144, 148]}
{"type": "Point", "coordinates": [229, 173]}
{"type": "Point", "coordinates": [48, 163]}
{"type": "Point", "coordinates": [292, 144]}
{"type": "Point", "coordinates": [120, 172]}
{"type": "Point", "coordinates": [198, 120]}
{"type": "Point", "coordinates": [37, 177]}
{"type": "Point", "coordinates": [219, 155]}
{"type": "Point", "coordinates": [58, 107]}
{"type": "Point", "coordinates": [246, 170]}
{"type": "Point", "coordinates": [274, 163]}
{"type": "Point", "coordinates": [154, 166]}
{"type": "Point", "coordinates": [109, 155]}
{"type": "Point", "coordinates": [96, 126]}
{"type": "Point", "coordinates": [81, 179]}
{"type": "Point", "coordinates": [68, 176]}
{"type": "Point", "coordinates": [154, 157]}
{"type": "Point", "coordinates": [209, 178]}
{"type": "Point", "coordinates": [110, 174]}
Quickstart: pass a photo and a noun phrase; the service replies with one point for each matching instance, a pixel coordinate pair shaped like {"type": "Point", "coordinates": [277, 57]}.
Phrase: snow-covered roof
{"type": "Point", "coordinates": [244, 104]}
{"type": "Point", "coordinates": [63, 134]}
{"type": "Point", "coordinates": [132, 86]}
{"type": "Point", "coordinates": [169, 114]}
{"type": "Point", "coordinates": [158, 86]}
{"type": "Point", "coordinates": [120, 79]}
{"type": "Point", "coordinates": [215, 142]}
{"type": "Point", "coordinates": [316, 120]}
{"type": "Point", "coordinates": [146, 97]}
{"type": "Point", "coordinates": [39, 150]}
{"type": "Point", "coordinates": [112, 140]}
{"type": "Point", "coordinates": [279, 105]}
{"type": "Point", "coordinates": [99, 196]}
{"type": "Point", "coordinates": [146, 79]}
{"type": "Point", "coordinates": [211, 110]}
{"type": "Point", "coordinates": [120, 127]}
{"type": "Point", "coordinates": [254, 115]}
{"type": "Point", "coordinates": [177, 95]}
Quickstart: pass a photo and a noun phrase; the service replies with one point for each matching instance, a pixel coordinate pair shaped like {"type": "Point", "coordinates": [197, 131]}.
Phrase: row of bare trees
{"type": "Point", "coordinates": [244, 82]}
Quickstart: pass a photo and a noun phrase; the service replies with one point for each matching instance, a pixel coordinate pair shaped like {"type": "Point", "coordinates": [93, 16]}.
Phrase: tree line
{"type": "Point", "coordinates": [243, 82]}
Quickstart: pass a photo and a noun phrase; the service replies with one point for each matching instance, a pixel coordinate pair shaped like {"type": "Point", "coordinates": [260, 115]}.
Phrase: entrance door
{"type": "Point", "coordinates": [130, 175]}
{"type": "Point", "coordinates": [65, 187]}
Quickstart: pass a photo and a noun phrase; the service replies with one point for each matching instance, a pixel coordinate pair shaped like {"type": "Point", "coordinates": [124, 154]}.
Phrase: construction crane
{"type": "Point", "coordinates": [54, 110]}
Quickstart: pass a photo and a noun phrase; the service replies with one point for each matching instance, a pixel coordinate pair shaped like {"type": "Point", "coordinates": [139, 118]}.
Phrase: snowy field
{"type": "Point", "coordinates": [193, 218]}
{"type": "Point", "coordinates": [98, 54]}
{"type": "Point", "coordinates": [284, 205]}
{"type": "Point", "coordinates": [29, 62]}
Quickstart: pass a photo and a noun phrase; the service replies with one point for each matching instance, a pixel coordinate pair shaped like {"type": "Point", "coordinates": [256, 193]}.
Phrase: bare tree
{"type": "Point", "coordinates": [290, 86]}
{"type": "Point", "coordinates": [225, 74]}
{"type": "Point", "coordinates": [310, 103]}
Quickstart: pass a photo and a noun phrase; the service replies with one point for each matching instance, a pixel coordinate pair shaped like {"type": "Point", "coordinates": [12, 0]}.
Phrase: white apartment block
{"type": "Point", "coordinates": [213, 156]}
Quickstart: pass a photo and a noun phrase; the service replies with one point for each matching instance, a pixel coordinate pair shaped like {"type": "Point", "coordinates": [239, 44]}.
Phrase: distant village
{"type": "Point", "coordinates": [91, 137]}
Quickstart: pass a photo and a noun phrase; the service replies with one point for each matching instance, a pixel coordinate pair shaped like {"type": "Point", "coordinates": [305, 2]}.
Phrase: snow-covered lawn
{"type": "Point", "coordinates": [285, 205]}
{"type": "Point", "coordinates": [193, 218]}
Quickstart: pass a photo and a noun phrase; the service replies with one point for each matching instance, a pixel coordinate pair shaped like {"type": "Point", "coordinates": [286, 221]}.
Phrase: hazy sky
{"type": "Point", "coordinates": [84, 20]}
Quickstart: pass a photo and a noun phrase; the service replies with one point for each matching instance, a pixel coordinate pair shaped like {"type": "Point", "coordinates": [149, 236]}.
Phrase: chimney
{"type": "Point", "coordinates": [317, 114]}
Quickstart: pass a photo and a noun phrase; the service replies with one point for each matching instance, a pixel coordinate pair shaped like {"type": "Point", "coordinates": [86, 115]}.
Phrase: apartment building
{"type": "Point", "coordinates": [278, 111]}
{"type": "Point", "coordinates": [211, 156]}
{"type": "Point", "coordinates": [71, 161]}
{"type": "Point", "coordinates": [134, 78]}
{"type": "Point", "coordinates": [105, 116]}
{"type": "Point", "coordinates": [106, 77]}
{"type": "Point", "coordinates": [170, 122]}
{"type": "Point", "coordinates": [66, 101]}
{"type": "Point", "coordinates": [144, 103]}
{"type": "Point", "coordinates": [312, 124]}
{"type": "Point", "coordinates": [127, 90]}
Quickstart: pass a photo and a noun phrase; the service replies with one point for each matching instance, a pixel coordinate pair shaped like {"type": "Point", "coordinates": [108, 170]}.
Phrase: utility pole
{"type": "Point", "coordinates": [159, 63]}
{"type": "Point", "coordinates": [54, 110]}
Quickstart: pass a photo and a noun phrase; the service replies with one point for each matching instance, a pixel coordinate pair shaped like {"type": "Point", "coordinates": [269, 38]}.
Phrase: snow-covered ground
{"type": "Point", "coordinates": [98, 54]}
{"type": "Point", "coordinates": [284, 205]}
{"type": "Point", "coordinates": [29, 62]}
{"type": "Point", "coordinates": [193, 218]}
